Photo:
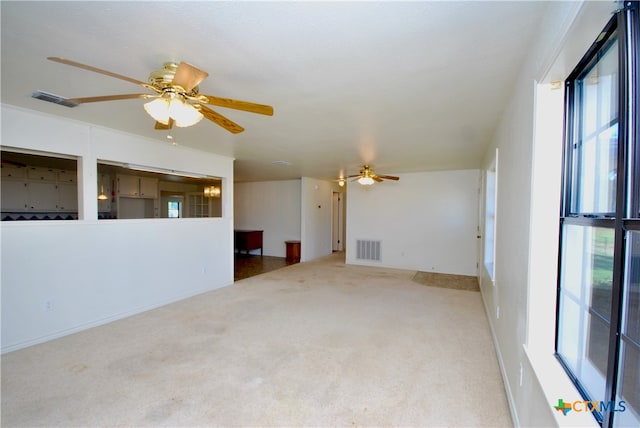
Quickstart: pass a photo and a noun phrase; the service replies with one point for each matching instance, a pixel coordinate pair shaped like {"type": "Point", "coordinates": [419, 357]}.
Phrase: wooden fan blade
{"type": "Point", "coordinates": [108, 98]}
{"type": "Point", "coordinates": [355, 175]}
{"type": "Point", "coordinates": [377, 178]}
{"type": "Point", "coordinates": [240, 105]}
{"type": "Point", "coordinates": [161, 126]}
{"type": "Point", "coordinates": [219, 119]}
{"type": "Point", "coordinates": [389, 177]}
{"type": "Point", "coordinates": [188, 77]}
{"type": "Point", "coordinates": [94, 69]}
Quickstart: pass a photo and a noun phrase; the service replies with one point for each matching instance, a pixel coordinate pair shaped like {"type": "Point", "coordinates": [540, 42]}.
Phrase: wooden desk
{"type": "Point", "coordinates": [247, 240]}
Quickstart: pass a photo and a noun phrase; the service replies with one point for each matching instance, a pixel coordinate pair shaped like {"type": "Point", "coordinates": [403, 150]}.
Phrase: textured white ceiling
{"type": "Point", "coordinates": [405, 86]}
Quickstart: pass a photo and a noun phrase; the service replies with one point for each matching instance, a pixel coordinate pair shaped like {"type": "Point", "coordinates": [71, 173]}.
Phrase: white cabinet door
{"type": "Point", "coordinates": [67, 197]}
{"type": "Point", "coordinates": [9, 171]}
{"type": "Point", "coordinates": [43, 196]}
{"type": "Point", "coordinates": [43, 174]}
{"type": "Point", "coordinates": [15, 195]}
{"type": "Point", "coordinates": [128, 185]}
{"type": "Point", "coordinates": [148, 187]}
{"type": "Point", "coordinates": [67, 176]}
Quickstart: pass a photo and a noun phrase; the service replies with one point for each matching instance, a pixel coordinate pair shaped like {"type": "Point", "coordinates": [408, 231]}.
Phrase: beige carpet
{"type": "Point", "coordinates": [313, 344]}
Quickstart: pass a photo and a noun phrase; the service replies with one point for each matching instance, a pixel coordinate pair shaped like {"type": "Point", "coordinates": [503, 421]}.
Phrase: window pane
{"type": "Point", "coordinates": [629, 386]}
{"type": "Point", "coordinates": [596, 143]}
{"type": "Point", "coordinates": [491, 184]}
{"type": "Point", "coordinates": [599, 91]}
{"type": "Point", "coordinates": [631, 314]}
{"type": "Point", "coordinates": [598, 166]}
{"type": "Point", "coordinates": [585, 304]}
{"type": "Point", "coordinates": [629, 373]}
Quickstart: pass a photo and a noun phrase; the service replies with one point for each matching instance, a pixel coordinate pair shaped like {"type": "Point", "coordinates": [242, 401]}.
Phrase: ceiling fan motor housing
{"type": "Point", "coordinates": [162, 79]}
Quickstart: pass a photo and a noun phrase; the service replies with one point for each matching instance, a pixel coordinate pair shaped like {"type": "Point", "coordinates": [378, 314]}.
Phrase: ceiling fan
{"type": "Point", "coordinates": [176, 98]}
{"type": "Point", "coordinates": [368, 176]}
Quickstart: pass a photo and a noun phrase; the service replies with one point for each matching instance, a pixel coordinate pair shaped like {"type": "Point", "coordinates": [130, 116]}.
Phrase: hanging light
{"type": "Point", "coordinates": [211, 192]}
{"type": "Point", "coordinates": [341, 182]}
{"type": "Point", "coordinates": [102, 196]}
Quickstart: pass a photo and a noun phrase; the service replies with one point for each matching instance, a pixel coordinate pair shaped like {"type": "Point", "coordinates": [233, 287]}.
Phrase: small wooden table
{"type": "Point", "coordinates": [247, 240]}
{"type": "Point", "coordinates": [293, 251]}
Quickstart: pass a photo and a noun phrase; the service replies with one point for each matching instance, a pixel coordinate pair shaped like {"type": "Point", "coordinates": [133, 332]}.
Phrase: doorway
{"type": "Point", "coordinates": [337, 222]}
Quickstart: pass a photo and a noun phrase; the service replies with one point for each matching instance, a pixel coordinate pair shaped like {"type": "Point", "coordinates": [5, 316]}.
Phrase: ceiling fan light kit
{"type": "Point", "coordinates": [173, 107]}
{"type": "Point", "coordinates": [176, 99]}
{"type": "Point", "coordinates": [366, 181]}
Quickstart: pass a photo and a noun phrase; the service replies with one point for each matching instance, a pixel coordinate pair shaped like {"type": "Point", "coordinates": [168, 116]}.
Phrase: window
{"type": "Point", "coordinates": [130, 191]}
{"type": "Point", "coordinates": [598, 320]}
{"type": "Point", "coordinates": [173, 209]}
{"type": "Point", "coordinates": [39, 186]}
{"type": "Point", "coordinates": [490, 208]}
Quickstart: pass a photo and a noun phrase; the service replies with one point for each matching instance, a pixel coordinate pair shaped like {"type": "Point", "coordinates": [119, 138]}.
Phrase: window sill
{"type": "Point", "coordinates": [555, 385]}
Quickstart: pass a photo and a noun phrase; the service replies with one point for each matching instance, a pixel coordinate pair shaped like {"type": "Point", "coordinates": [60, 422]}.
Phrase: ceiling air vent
{"type": "Point", "coordinates": [57, 99]}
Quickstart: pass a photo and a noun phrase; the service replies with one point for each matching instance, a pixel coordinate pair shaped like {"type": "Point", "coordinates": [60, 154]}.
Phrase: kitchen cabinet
{"type": "Point", "coordinates": [148, 187]}
{"type": "Point", "coordinates": [43, 196]}
{"type": "Point", "coordinates": [67, 197]}
{"type": "Point", "coordinates": [15, 195]}
{"type": "Point", "coordinates": [128, 185]}
{"type": "Point", "coordinates": [43, 191]}
{"type": "Point", "coordinates": [38, 196]}
{"type": "Point", "coordinates": [42, 174]}
{"type": "Point", "coordinates": [137, 187]}
{"type": "Point", "coordinates": [10, 171]}
{"type": "Point", "coordinates": [67, 176]}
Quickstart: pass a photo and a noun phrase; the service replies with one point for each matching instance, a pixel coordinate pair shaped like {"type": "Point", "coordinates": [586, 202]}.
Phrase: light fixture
{"type": "Point", "coordinates": [173, 106]}
{"type": "Point", "coordinates": [341, 182]}
{"type": "Point", "coordinates": [211, 192]}
{"type": "Point", "coordinates": [159, 110]}
{"type": "Point", "coordinates": [102, 196]}
{"type": "Point", "coordinates": [365, 179]}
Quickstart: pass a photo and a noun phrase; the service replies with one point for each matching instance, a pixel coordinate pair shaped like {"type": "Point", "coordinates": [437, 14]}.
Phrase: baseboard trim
{"type": "Point", "coordinates": [505, 378]}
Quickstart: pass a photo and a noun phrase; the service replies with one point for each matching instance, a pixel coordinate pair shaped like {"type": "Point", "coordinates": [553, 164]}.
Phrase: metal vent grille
{"type": "Point", "coordinates": [45, 96]}
{"type": "Point", "coordinates": [368, 250]}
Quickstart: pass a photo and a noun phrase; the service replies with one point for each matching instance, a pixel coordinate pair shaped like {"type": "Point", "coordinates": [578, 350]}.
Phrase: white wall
{"type": "Point", "coordinates": [287, 210]}
{"type": "Point", "coordinates": [316, 219]}
{"type": "Point", "coordinates": [271, 206]}
{"type": "Point", "coordinates": [90, 272]}
{"type": "Point", "coordinates": [527, 216]}
{"type": "Point", "coordinates": [426, 221]}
